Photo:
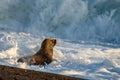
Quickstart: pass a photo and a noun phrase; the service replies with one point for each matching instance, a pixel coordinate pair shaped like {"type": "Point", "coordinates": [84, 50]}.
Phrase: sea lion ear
{"type": "Point", "coordinates": [44, 41]}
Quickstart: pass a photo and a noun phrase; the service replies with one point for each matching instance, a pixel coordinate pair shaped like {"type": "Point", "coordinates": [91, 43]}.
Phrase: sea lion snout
{"type": "Point", "coordinates": [54, 41]}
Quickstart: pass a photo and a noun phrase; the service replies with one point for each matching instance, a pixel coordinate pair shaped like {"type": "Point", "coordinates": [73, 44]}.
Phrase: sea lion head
{"type": "Point", "coordinates": [49, 43]}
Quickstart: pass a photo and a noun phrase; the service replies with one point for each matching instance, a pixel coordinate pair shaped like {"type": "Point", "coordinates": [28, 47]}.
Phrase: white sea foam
{"type": "Point", "coordinates": [75, 59]}
{"type": "Point", "coordinates": [87, 33]}
{"type": "Point", "coordinates": [86, 20]}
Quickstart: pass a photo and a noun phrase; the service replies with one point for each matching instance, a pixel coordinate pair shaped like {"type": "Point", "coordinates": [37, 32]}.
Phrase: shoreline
{"type": "Point", "coordinates": [13, 73]}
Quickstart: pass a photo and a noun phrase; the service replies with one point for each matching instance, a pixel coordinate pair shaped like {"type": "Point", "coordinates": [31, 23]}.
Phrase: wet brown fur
{"type": "Point", "coordinates": [43, 56]}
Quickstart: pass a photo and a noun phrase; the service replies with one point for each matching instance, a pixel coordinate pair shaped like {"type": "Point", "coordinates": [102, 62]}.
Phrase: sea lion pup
{"type": "Point", "coordinates": [44, 56]}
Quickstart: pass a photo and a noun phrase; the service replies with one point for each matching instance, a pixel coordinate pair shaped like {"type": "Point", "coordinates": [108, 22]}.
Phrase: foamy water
{"type": "Point", "coordinates": [74, 59]}
{"type": "Point", "coordinates": [87, 32]}
{"type": "Point", "coordinates": [86, 20]}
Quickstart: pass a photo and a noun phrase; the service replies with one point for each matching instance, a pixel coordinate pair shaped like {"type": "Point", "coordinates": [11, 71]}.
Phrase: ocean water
{"type": "Point", "coordinates": [87, 33]}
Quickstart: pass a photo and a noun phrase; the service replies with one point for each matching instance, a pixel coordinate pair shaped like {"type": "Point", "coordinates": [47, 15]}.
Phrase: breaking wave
{"type": "Point", "coordinates": [95, 20]}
